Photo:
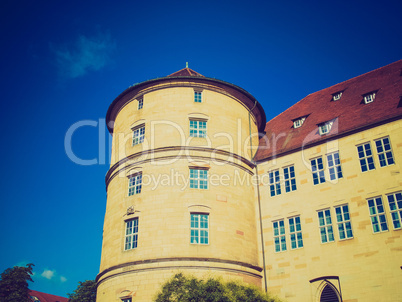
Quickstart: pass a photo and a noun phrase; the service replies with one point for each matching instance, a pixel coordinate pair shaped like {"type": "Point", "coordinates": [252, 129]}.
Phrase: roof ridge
{"type": "Point", "coordinates": [186, 72]}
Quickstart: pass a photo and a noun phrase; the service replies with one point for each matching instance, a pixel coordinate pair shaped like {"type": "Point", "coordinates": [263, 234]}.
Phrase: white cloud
{"type": "Point", "coordinates": [63, 279]}
{"type": "Point", "coordinates": [48, 274]}
{"type": "Point", "coordinates": [84, 55]}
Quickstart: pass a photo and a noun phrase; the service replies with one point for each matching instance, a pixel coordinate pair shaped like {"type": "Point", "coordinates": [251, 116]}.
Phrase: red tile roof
{"type": "Point", "coordinates": [46, 297]}
{"type": "Point", "coordinates": [350, 112]}
{"type": "Point", "coordinates": [185, 72]}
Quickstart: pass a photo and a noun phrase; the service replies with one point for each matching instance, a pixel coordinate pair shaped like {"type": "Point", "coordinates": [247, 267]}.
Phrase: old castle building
{"type": "Point", "coordinates": [308, 205]}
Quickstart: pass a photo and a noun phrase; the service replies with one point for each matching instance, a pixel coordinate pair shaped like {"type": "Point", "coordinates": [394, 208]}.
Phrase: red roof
{"type": "Point", "coordinates": [350, 112]}
{"type": "Point", "coordinates": [185, 72]}
{"type": "Point", "coordinates": [42, 297]}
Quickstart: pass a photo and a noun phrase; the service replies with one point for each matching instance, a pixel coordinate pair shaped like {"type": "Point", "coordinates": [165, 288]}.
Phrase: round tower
{"type": "Point", "coordinates": [180, 188]}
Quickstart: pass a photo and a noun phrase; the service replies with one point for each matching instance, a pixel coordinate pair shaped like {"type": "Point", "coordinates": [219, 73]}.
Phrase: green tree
{"type": "Point", "coordinates": [14, 284]}
{"type": "Point", "coordinates": [85, 292]}
{"type": "Point", "coordinates": [182, 288]}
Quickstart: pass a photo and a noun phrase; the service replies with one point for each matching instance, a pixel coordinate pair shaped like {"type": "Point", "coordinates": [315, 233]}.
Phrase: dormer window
{"type": "Point", "coordinates": [298, 122]}
{"type": "Point", "coordinates": [369, 98]}
{"type": "Point", "coordinates": [336, 96]}
{"type": "Point", "coordinates": [325, 128]}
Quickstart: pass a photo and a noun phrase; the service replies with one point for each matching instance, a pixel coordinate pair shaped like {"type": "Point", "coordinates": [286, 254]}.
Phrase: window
{"type": "Point", "coordinates": [325, 222]}
{"type": "Point", "coordinates": [334, 165]}
{"type": "Point", "coordinates": [135, 184]}
{"type": "Point", "coordinates": [368, 98]}
{"type": "Point", "coordinates": [198, 178]}
{"type": "Point", "coordinates": [337, 96]}
{"type": "Point", "coordinates": [317, 168]}
{"type": "Point", "coordinates": [138, 135]}
{"type": "Point", "coordinates": [296, 238]}
{"type": "Point", "coordinates": [274, 183]}
{"type": "Point", "coordinates": [384, 152]}
{"type": "Point", "coordinates": [377, 215]}
{"type": "Point", "coordinates": [290, 178]}
{"type": "Point", "coordinates": [279, 236]}
{"type": "Point", "coordinates": [395, 206]}
{"type": "Point", "coordinates": [325, 128]}
{"type": "Point", "coordinates": [197, 96]}
{"type": "Point", "coordinates": [199, 229]}
{"type": "Point", "coordinates": [131, 237]}
{"type": "Point", "coordinates": [343, 220]}
{"type": "Point", "coordinates": [126, 300]}
{"type": "Point", "coordinates": [299, 122]}
{"type": "Point", "coordinates": [140, 103]}
{"type": "Point", "coordinates": [198, 128]}
{"type": "Point", "coordinates": [365, 157]}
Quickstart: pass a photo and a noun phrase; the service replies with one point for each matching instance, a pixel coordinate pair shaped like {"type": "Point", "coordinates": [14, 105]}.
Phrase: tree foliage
{"type": "Point", "coordinates": [14, 284]}
{"type": "Point", "coordinates": [85, 292]}
{"type": "Point", "coordinates": [182, 288]}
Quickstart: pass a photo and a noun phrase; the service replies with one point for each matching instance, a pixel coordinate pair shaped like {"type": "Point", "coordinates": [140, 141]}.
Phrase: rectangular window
{"type": "Point", "coordinates": [197, 96]}
{"type": "Point", "coordinates": [135, 184]}
{"type": "Point", "coordinates": [138, 135]}
{"type": "Point", "coordinates": [384, 152]}
{"type": "Point", "coordinates": [325, 222]}
{"type": "Point", "coordinates": [317, 168]}
{"type": "Point", "coordinates": [279, 236]}
{"type": "Point", "coordinates": [369, 98]}
{"type": "Point", "coordinates": [325, 127]}
{"type": "Point", "coordinates": [298, 123]}
{"type": "Point", "coordinates": [343, 220]}
{"type": "Point", "coordinates": [377, 215]}
{"type": "Point", "coordinates": [126, 300]}
{"type": "Point", "coordinates": [131, 237]}
{"type": "Point", "coordinates": [290, 178]}
{"type": "Point", "coordinates": [274, 183]}
{"type": "Point", "coordinates": [334, 166]}
{"type": "Point", "coordinates": [140, 103]}
{"type": "Point", "coordinates": [395, 206]}
{"type": "Point", "coordinates": [199, 229]}
{"type": "Point", "coordinates": [296, 238]}
{"type": "Point", "coordinates": [198, 179]}
{"type": "Point", "coordinates": [198, 128]}
{"type": "Point", "coordinates": [365, 157]}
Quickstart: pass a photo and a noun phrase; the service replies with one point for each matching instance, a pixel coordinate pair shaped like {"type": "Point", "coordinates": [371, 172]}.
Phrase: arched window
{"type": "Point", "coordinates": [329, 294]}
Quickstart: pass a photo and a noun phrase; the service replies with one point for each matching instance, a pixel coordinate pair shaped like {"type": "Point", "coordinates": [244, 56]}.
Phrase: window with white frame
{"type": "Point", "coordinates": [279, 236]}
{"type": "Point", "coordinates": [325, 128]}
{"type": "Point", "coordinates": [298, 122]}
{"type": "Point", "coordinates": [197, 96]}
{"type": "Point", "coordinates": [126, 300]}
{"type": "Point", "coordinates": [377, 215]}
{"type": "Point", "coordinates": [365, 157]}
{"type": "Point", "coordinates": [131, 235]}
{"type": "Point", "coordinates": [369, 98]}
{"type": "Point", "coordinates": [384, 152]}
{"type": "Point", "coordinates": [290, 178]}
{"type": "Point", "coordinates": [135, 184]}
{"type": "Point", "coordinates": [334, 166]}
{"type": "Point", "coordinates": [395, 206]}
{"type": "Point", "coordinates": [138, 135]}
{"type": "Point", "coordinates": [325, 225]}
{"type": "Point", "coordinates": [337, 96]}
{"type": "Point", "coordinates": [198, 178]}
{"type": "Point", "coordinates": [140, 103]}
{"type": "Point", "coordinates": [199, 233]}
{"type": "Point", "coordinates": [343, 221]}
{"type": "Point", "coordinates": [198, 128]}
{"type": "Point", "coordinates": [274, 183]}
{"type": "Point", "coordinates": [296, 238]}
{"type": "Point", "coordinates": [317, 168]}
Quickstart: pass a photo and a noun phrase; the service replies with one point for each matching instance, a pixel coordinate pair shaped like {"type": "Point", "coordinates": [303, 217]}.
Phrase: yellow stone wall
{"type": "Point", "coordinates": [166, 201]}
{"type": "Point", "coordinates": [369, 264]}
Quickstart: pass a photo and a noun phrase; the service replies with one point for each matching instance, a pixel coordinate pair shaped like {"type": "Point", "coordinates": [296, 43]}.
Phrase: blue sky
{"type": "Point", "coordinates": [64, 62]}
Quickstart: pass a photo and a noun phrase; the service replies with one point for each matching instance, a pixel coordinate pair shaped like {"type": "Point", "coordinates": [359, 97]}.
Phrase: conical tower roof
{"type": "Point", "coordinates": [187, 72]}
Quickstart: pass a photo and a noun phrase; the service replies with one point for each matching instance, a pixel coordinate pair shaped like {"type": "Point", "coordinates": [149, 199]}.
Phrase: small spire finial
{"type": "Point", "coordinates": [186, 64]}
